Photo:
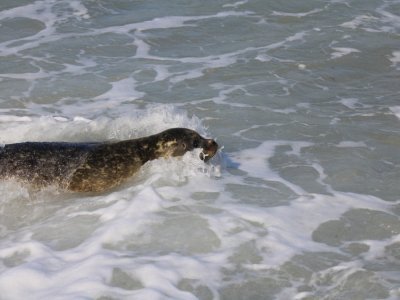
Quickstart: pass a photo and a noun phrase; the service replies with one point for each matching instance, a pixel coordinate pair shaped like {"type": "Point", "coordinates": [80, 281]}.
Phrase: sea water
{"type": "Point", "coordinates": [302, 201]}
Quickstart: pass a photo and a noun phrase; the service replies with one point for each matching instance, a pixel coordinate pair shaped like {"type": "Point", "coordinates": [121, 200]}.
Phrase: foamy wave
{"type": "Point", "coordinates": [10, 118]}
{"type": "Point", "coordinates": [296, 15]}
{"type": "Point", "coordinates": [302, 202]}
{"type": "Point", "coordinates": [342, 51]}
{"type": "Point", "coordinates": [396, 111]}
{"type": "Point", "coordinates": [395, 58]}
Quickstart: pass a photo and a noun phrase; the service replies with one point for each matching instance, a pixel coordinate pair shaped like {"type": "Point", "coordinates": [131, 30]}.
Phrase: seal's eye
{"type": "Point", "coordinates": [196, 144]}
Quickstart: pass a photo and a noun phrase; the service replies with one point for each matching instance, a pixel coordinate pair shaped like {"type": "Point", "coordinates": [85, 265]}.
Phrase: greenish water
{"type": "Point", "coordinates": [302, 201]}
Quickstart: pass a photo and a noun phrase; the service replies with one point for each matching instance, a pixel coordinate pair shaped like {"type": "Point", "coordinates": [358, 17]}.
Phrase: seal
{"type": "Point", "coordinates": [95, 167]}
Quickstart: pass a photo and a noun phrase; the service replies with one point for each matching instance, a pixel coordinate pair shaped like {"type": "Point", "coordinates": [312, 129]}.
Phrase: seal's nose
{"type": "Point", "coordinates": [212, 143]}
{"type": "Point", "coordinates": [211, 146]}
{"type": "Point", "coordinates": [209, 149]}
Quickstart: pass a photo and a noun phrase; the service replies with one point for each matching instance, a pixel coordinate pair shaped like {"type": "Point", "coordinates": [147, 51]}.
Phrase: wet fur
{"type": "Point", "coordinates": [94, 167]}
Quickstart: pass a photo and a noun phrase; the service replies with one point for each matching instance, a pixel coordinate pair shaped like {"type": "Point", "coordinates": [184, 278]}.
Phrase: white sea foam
{"type": "Point", "coordinates": [136, 214]}
{"type": "Point", "coordinates": [351, 144]}
{"type": "Point", "coordinates": [396, 111]}
{"type": "Point", "coordinates": [119, 234]}
{"type": "Point", "coordinates": [395, 58]}
{"type": "Point", "coordinates": [356, 22]}
{"type": "Point", "coordinates": [235, 4]}
{"type": "Point", "coordinates": [122, 90]}
{"type": "Point", "coordinates": [254, 161]}
{"type": "Point", "coordinates": [350, 102]}
{"type": "Point", "coordinates": [10, 118]}
{"type": "Point", "coordinates": [289, 227]}
{"type": "Point", "coordinates": [296, 15]}
{"type": "Point", "coordinates": [383, 20]}
{"type": "Point", "coordinates": [83, 269]}
{"type": "Point", "coordinates": [130, 125]}
{"type": "Point", "coordinates": [290, 210]}
{"type": "Point", "coordinates": [342, 51]}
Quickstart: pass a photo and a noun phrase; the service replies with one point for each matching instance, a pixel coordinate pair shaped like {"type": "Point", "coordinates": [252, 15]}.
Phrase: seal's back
{"type": "Point", "coordinates": [42, 163]}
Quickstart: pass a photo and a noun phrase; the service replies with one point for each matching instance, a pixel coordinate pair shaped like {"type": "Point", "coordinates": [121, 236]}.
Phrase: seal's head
{"type": "Point", "coordinates": [177, 141]}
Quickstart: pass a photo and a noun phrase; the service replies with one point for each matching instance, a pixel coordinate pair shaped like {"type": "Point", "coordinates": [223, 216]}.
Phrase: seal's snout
{"type": "Point", "coordinates": [210, 147]}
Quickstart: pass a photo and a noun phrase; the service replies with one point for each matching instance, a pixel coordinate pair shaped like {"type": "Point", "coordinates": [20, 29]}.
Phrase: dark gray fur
{"type": "Point", "coordinates": [94, 167]}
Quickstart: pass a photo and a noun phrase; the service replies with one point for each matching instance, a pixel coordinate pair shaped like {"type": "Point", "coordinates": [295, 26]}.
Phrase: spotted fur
{"type": "Point", "coordinates": [94, 167]}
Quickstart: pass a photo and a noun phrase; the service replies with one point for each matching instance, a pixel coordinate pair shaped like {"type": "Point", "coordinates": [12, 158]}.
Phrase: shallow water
{"type": "Point", "coordinates": [301, 202]}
